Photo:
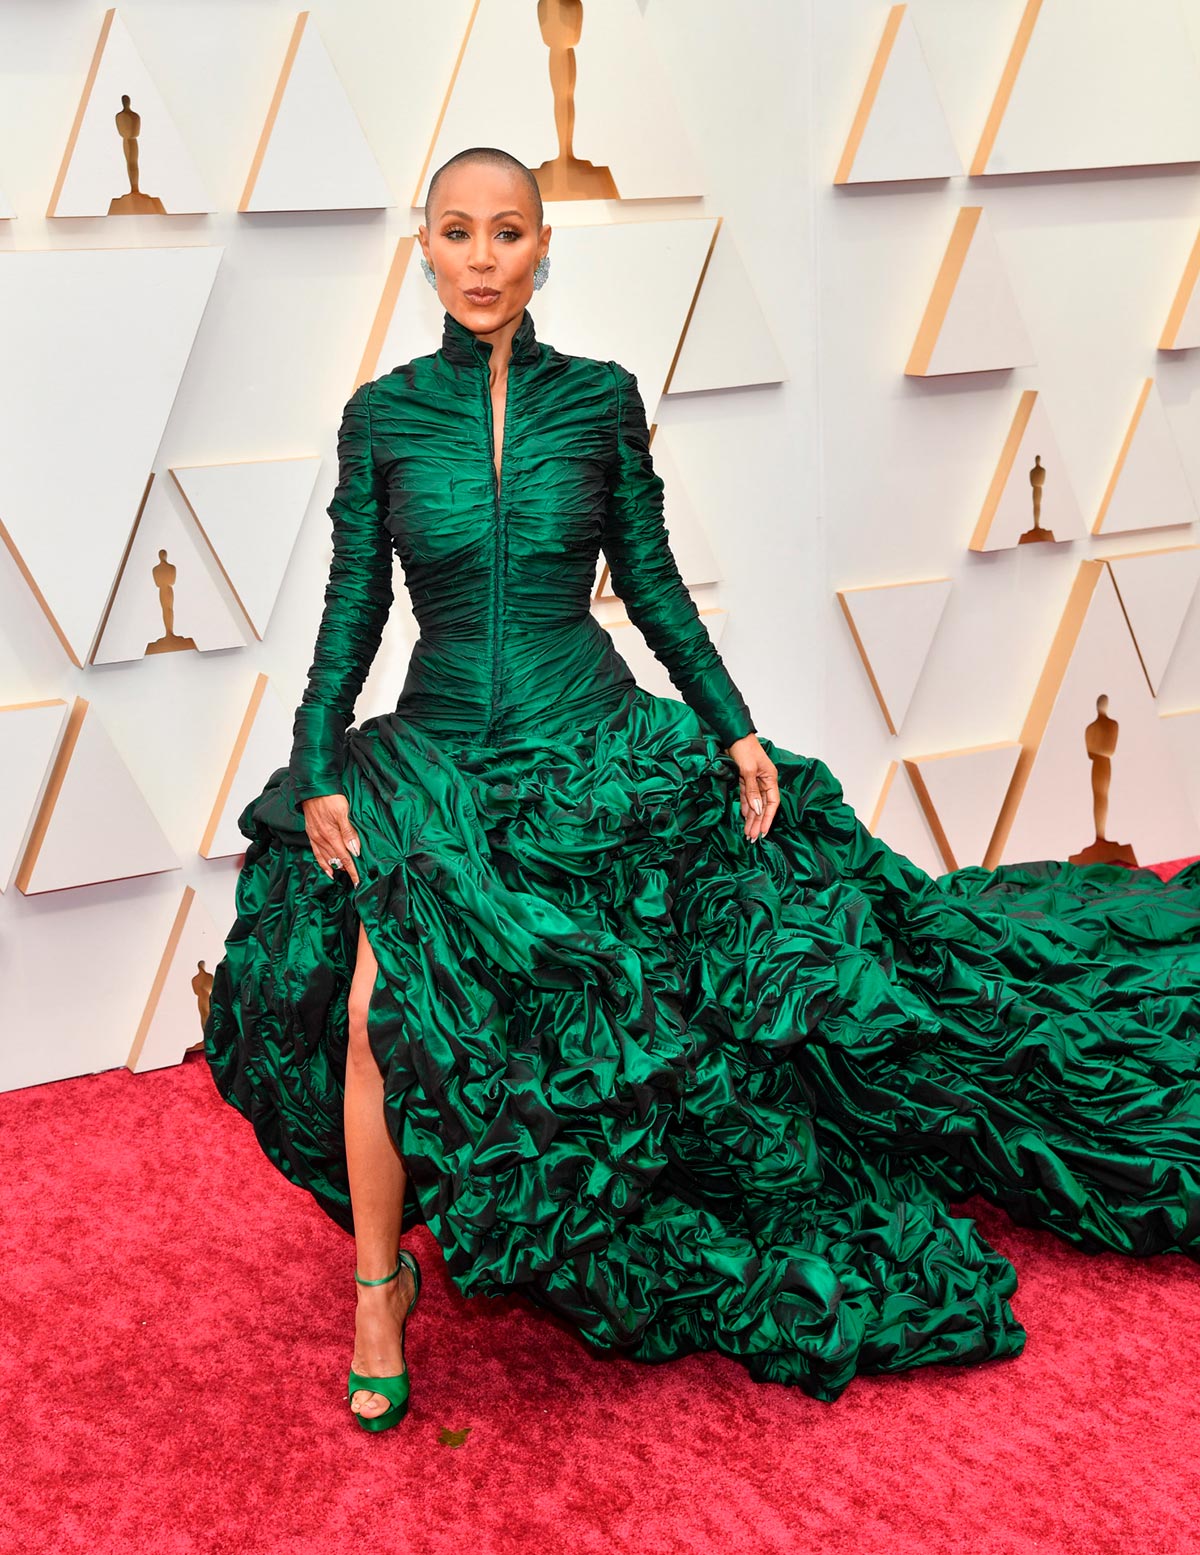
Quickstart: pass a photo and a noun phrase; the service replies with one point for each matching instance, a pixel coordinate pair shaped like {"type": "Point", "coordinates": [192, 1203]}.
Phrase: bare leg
{"type": "Point", "coordinates": [377, 1194]}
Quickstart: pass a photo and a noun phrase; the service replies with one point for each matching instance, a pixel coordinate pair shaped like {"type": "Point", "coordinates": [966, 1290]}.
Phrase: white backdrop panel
{"type": "Point", "coordinates": [95, 343]}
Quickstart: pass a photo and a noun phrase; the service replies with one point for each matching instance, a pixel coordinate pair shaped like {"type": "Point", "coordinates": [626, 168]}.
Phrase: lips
{"type": "Point", "coordinates": [482, 295]}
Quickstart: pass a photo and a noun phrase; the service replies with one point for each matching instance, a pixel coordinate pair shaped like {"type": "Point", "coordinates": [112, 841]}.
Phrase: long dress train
{"type": "Point", "coordinates": [688, 1091]}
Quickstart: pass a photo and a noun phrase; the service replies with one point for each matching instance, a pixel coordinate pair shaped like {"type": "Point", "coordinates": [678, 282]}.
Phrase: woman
{"type": "Point", "coordinates": [617, 996]}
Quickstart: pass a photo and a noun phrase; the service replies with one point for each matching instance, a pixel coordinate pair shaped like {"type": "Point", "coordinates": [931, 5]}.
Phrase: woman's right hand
{"type": "Point", "coordinates": [330, 834]}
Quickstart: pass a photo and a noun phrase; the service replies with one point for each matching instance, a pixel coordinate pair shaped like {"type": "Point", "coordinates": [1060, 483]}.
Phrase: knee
{"type": "Point", "coordinates": [356, 1019]}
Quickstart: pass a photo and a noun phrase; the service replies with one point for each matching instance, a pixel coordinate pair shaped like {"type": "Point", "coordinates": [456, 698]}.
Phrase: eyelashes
{"type": "Point", "coordinates": [512, 231]}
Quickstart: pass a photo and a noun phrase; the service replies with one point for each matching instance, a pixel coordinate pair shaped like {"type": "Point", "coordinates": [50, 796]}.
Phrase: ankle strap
{"type": "Point", "coordinates": [386, 1277]}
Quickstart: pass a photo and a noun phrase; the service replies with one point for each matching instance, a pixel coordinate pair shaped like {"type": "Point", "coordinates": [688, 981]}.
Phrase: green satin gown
{"type": "Point", "coordinates": [688, 1091]}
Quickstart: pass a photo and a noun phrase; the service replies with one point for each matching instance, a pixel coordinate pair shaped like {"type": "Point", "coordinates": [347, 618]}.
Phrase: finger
{"type": "Point", "coordinates": [335, 839]}
{"type": "Point", "coordinates": [767, 791]}
{"type": "Point", "coordinates": [337, 856]}
{"type": "Point", "coordinates": [757, 805]}
{"type": "Point", "coordinates": [317, 849]}
{"type": "Point", "coordinates": [771, 792]}
{"type": "Point", "coordinates": [754, 801]}
{"type": "Point", "coordinates": [322, 847]}
{"type": "Point", "coordinates": [327, 845]}
{"type": "Point", "coordinates": [349, 851]}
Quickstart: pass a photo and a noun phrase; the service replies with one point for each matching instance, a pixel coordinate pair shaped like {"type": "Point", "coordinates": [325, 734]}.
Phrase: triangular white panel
{"type": "Point", "coordinates": [102, 336]}
{"type": "Point", "coordinates": [728, 342]}
{"type": "Point", "coordinates": [312, 155]}
{"type": "Point", "coordinates": [28, 735]}
{"type": "Point", "coordinates": [76, 840]}
{"type": "Point", "coordinates": [95, 178]}
{"type": "Point", "coordinates": [900, 822]}
{"type": "Point", "coordinates": [1156, 590]}
{"type": "Point", "coordinates": [173, 1020]}
{"type": "Point", "coordinates": [1148, 808]}
{"type": "Point", "coordinates": [972, 323]}
{"type": "Point", "coordinates": [649, 672]}
{"type": "Point", "coordinates": [686, 536]}
{"type": "Point", "coordinates": [632, 283]}
{"type": "Point", "coordinates": [166, 600]}
{"type": "Point", "coordinates": [622, 112]}
{"type": "Point", "coordinates": [1182, 329]}
{"type": "Point", "coordinates": [1148, 487]}
{"type": "Point", "coordinates": [893, 625]}
{"type": "Point", "coordinates": [964, 790]}
{"type": "Point", "coordinates": [1030, 462]}
{"type": "Point", "coordinates": [900, 130]}
{"type": "Point", "coordinates": [263, 743]}
{"type": "Point", "coordinates": [1182, 730]}
{"type": "Point", "coordinates": [685, 533]}
{"type": "Point", "coordinates": [1090, 85]}
{"type": "Point", "coordinates": [250, 513]}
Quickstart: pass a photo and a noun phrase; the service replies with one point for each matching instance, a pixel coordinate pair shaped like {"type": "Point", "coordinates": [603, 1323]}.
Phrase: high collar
{"type": "Point", "coordinates": [460, 344]}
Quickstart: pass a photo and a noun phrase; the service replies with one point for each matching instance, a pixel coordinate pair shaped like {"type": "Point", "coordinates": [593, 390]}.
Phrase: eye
{"type": "Point", "coordinates": [511, 232]}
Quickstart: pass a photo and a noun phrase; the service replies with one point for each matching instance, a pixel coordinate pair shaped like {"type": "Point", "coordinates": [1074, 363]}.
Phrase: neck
{"type": "Point", "coordinates": [501, 353]}
{"type": "Point", "coordinates": [463, 345]}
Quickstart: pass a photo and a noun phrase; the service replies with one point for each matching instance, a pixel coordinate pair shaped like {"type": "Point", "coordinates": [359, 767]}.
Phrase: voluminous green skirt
{"type": "Point", "coordinates": [697, 1093]}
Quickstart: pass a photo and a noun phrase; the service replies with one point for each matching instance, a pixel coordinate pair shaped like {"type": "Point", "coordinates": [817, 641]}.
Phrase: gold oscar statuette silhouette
{"type": "Point", "coordinates": [135, 203]}
{"type": "Point", "coordinates": [567, 177]}
{"type": "Point", "coordinates": [1100, 737]}
{"type": "Point", "coordinates": [202, 988]}
{"type": "Point", "coordinates": [1037, 479]}
{"type": "Point", "coordinates": [164, 576]}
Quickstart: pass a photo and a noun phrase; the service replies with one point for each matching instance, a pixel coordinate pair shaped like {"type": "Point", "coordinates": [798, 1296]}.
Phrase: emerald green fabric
{"type": "Point", "coordinates": [687, 1091]}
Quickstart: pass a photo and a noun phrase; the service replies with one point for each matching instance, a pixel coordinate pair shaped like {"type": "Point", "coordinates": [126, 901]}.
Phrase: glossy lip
{"type": "Point", "coordinates": [482, 296]}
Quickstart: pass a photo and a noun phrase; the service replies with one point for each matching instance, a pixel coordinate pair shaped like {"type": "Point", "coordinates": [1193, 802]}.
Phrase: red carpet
{"type": "Point", "coordinates": [178, 1321]}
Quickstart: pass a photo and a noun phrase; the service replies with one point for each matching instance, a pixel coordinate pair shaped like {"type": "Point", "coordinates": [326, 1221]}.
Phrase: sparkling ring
{"type": "Point", "coordinates": [335, 863]}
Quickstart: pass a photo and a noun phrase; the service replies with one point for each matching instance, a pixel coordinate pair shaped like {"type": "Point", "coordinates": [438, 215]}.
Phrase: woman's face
{"type": "Point", "coordinates": [483, 244]}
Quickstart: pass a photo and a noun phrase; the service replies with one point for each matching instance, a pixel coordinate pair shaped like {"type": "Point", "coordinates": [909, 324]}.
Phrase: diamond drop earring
{"type": "Point", "coordinates": [429, 275]}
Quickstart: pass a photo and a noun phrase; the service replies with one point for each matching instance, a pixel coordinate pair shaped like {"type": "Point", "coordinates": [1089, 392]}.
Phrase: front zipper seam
{"type": "Point", "coordinates": [498, 561]}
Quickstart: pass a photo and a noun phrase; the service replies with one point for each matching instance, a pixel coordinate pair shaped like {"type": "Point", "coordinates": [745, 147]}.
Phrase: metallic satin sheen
{"type": "Point", "coordinates": [500, 583]}
{"type": "Point", "coordinates": [688, 1091]}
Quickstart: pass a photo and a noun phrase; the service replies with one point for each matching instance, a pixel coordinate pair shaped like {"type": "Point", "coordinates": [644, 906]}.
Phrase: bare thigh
{"type": "Point", "coordinates": [362, 985]}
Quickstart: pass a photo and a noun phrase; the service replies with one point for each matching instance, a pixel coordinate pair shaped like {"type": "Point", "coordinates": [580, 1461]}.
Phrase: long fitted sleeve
{"type": "Point", "coordinates": [647, 579]}
{"type": "Point", "coordinates": [358, 598]}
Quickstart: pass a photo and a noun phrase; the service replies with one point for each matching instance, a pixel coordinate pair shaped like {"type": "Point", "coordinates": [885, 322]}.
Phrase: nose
{"type": "Point", "coordinates": [481, 256]}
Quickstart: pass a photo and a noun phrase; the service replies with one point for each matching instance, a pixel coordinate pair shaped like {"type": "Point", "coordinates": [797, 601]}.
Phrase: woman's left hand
{"type": "Point", "coordinates": [759, 785]}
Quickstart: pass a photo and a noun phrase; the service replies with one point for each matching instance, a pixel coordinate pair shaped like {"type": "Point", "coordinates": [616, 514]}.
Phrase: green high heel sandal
{"type": "Point", "coordinates": [394, 1388]}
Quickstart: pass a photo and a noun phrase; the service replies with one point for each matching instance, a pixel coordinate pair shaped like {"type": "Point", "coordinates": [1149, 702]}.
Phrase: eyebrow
{"type": "Point", "coordinates": [496, 217]}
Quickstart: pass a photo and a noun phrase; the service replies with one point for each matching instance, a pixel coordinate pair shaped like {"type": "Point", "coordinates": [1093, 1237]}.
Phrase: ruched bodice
{"type": "Point", "coordinates": [500, 570]}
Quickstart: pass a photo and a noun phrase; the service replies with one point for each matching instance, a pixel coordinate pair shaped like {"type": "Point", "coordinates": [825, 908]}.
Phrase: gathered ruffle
{"type": "Point", "coordinates": [696, 1093]}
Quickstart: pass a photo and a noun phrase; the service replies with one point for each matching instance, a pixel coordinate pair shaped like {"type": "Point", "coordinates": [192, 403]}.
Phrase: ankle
{"type": "Point", "coordinates": [377, 1272]}
{"type": "Point", "coordinates": [383, 1288]}
{"type": "Point", "coordinates": [378, 1295]}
